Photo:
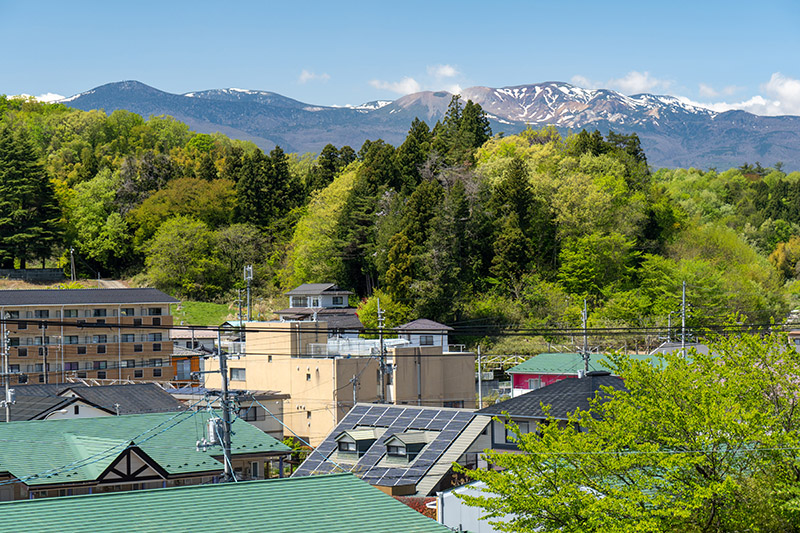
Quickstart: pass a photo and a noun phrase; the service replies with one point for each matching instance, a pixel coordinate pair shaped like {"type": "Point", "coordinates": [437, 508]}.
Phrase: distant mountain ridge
{"type": "Point", "coordinates": [673, 133]}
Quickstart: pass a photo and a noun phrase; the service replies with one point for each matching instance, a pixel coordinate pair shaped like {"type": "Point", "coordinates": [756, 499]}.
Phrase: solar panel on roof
{"type": "Point", "coordinates": [445, 415]}
{"type": "Point", "coordinates": [463, 417]}
{"type": "Point", "coordinates": [359, 409]}
{"type": "Point", "coordinates": [437, 425]}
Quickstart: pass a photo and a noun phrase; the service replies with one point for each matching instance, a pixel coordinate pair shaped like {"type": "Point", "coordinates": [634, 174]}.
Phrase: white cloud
{"type": "Point", "coordinates": [635, 82]}
{"type": "Point", "coordinates": [50, 97]}
{"type": "Point", "coordinates": [442, 71]}
{"type": "Point", "coordinates": [781, 96]}
{"type": "Point", "coordinates": [583, 81]}
{"type": "Point", "coordinates": [405, 86]}
{"type": "Point", "coordinates": [706, 91]}
{"type": "Point", "coordinates": [307, 76]}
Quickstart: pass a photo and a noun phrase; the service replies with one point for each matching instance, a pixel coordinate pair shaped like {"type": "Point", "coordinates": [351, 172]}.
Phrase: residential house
{"type": "Point", "coordinates": [87, 334]}
{"type": "Point", "coordinates": [322, 302]}
{"type": "Point", "coordinates": [547, 368]}
{"type": "Point", "coordinates": [75, 400]}
{"type": "Point", "coordinates": [263, 409]}
{"type": "Point", "coordinates": [424, 332]}
{"type": "Point", "coordinates": [402, 450]}
{"type": "Point", "coordinates": [561, 398]}
{"type": "Point", "coordinates": [44, 458]}
{"type": "Point", "coordinates": [190, 346]}
{"type": "Point", "coordinates": [332, 503]}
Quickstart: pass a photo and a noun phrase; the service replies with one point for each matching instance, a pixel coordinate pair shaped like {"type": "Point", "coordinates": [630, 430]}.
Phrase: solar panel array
{"type": "Point", "coordinates": [449, 423]}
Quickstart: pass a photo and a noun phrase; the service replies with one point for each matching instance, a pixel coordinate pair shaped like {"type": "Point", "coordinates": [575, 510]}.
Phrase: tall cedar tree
{"type": "Point", "coordinates": [29, 215]}
{"type": "Point", "coordinates": [462, 130]}
{"type": "Point", "coordinates": [411, 155]}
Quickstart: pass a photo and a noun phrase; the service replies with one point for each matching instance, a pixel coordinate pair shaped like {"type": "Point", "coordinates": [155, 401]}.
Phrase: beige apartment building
{"type": "Point", "coordinates": [325, 378]}
{"type": "Point", "coordinates": [87, 333]}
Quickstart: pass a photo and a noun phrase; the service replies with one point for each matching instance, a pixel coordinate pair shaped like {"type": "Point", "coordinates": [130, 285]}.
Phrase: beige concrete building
{"type": "Point", "coordinates": [324, 384]}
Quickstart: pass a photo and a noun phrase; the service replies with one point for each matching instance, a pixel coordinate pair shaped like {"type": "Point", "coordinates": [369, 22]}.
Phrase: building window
{"type": "Point", "coordinates": [137, 321]}
{"type": "Point", "coordinates": [308, 377]}
{"type": "Point", "coordinates": [269, 359]}
{"type": "Point", "coordinates": [298, 301]}
{"type": "Point", "coordinates": [511, 436]}
{"type": "Point", "coordinates": [98, 312]}
{"type": "Point", "coordinates": [155, 362]}
{"type": "Point", "coordinates": [81, 350]}
{"type": "Point", "coordinates": [137, 347]}
{"type": "Point", "coordinates": [426, 340]}
{"type": "Point", "coordinates": [535, 383]}
{"type": "Point", "coordinates": [396, 451]}
{"type": "Point", "coordinates": [314, 302]}
{"type": "Point", "coordinates": [70, 313]}
{"type": "Point", "coordinates": [22, 352]}
{"type": "Point", "coordinates": [156, 372]}
{"type": "Point", "coordinates": [128, 363]}
{"type": "Point", "coordinates": [138, 373]}
{"type": "Point", "coordinates": [70, 339]}
{"type": "Point", "coordinates": [126, 311]}
{"type": "Point", "coordinates": [13, 368]}
{"type": "Point", "coordinates": [248, 414]}
{"type": "Point", "coordinates": [13, 341]}
{"type": "Point", "coordinates": [157, 321]}
{"type": "Point", "coordinates": [101, 348]}
{"type": "Point", "coordinates": [254, 469]}
{"type": "Point", "coordinates": [128, 337]}
{"type": "Point", "coordinates": [154, 337]}
{"type": "Point", "coordinates": [458, 404]}
{"type": "Point", "coordinates": [101, 320]}
{"type": "Point", "coordinates": [157, 347]}
{"type": "Point", "coordinates": [22, 325]}
{"type": "Point", "coordinates": [308, 414]}
{"type": "Point", "coordinates": [101, 374]}
{"type": "Point", "coordinates": [154, 311]}
{"type": "Point", "coordinates": [12, 315]}
{"type": "Point", "coordinates": [345, 446]}
{"type": "Point", "coordinates": [100, 365]}
{"type": "Point", "coordinates": [41, 313]}
{"type": "Point", "coordinates": [100, 339]}
{"type": "Point", "coordinates": [71, 366]}
{"type": "Point", "coordinates": [238, 374]}
{"type": "Point", "coordinates": [338, 300]}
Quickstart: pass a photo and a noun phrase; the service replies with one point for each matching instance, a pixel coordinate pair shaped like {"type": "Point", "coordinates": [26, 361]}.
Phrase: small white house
{"type": "Point", "coordinates": [424, 332]}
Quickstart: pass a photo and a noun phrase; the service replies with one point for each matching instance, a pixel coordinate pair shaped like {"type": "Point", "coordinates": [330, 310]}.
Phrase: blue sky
{"type": "Point", "coordinates": [722, 54]}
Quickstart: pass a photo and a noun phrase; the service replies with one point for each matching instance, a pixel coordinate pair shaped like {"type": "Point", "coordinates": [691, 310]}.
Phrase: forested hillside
{"type": "Point", "coordinates": [453, 224]}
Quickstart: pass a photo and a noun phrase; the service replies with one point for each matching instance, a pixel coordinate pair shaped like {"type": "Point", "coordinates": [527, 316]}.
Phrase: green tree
{"type": "Point", "coordinates": [181, 259]}
{"type": "Point", "coordinates": [595, 263]}
{"type": "Point", "coordinates": [705, 443]}
{"type": "Point", "coordinates": [30, 221]}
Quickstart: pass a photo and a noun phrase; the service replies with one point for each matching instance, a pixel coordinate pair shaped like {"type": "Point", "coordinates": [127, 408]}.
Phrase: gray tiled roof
{"type": "Point", "coordinates": [424, 325]}
{"type": "Point", "coordinates": [335, 317]}
{"type": "Point", "coordinates": [310, 289]}
{"type": "Point", "coordinates": [18, 298]}
{"type": "Point", "coordinates": [563, 397]}
{"type": "Point", "coordinates": [138, 398]}
{"type": "Point", "coordinates": [33, 407]}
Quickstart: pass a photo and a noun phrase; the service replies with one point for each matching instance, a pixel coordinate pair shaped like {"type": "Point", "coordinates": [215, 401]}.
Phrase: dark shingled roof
{"type": "Point", "coordinates": [34, 407]}
{"type": "Point", "coordinates": [83, 297]}
{"type": "Point", "coordinates": [336, 317]}
{"type": "Point", "coordinates": [563, 397]}
{"type": "Point", "coordinates": [133, 398]}
{"type": "Point", "coordinates": [316, 288]}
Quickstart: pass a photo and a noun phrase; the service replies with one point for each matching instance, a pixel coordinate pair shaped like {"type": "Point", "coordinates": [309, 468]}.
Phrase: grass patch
{"type": "Point", "coordinates": [201, 313]}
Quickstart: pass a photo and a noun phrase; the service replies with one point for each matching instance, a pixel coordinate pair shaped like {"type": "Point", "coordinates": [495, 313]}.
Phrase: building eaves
{"type": "Point", "coordinates": [49, 297]}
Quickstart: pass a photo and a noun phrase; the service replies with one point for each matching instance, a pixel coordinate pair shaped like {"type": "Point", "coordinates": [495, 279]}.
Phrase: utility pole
{"type": "Point", "coordinates": [72, 264]}
{"type": "Point", "coordinates": [585, 318]}
{"type": "Point", "coordinates": [226, 412]}
{"type": "Point", "coordinates": [669, 327]}
{"type": "Point", "coordinates": [480, 380]}
{"type": "Point", "coordinates": [683, 320]}
{"type": "Point", "coordinates": [382, 370]}
{"type": "Point", "coordinates": [248, 277]}
{"type": "Point", "coordinates": [9, 397]}
{"type": "Point", "coordinates": [354, 381]}
{"type": "Point", "coordinates": [43, 325]}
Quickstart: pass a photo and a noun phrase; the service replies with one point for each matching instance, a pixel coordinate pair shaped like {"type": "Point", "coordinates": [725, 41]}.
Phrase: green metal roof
{"type": "Point", "coordinates": [324, 503]}
{"type": "Point", "coordinates": [44, 452]}
{"type": "Point", "coordinates": [565, 363]}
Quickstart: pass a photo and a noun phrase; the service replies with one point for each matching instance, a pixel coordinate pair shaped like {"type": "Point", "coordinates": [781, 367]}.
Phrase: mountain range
{"type": "Point", "coordinates": [673, 133]}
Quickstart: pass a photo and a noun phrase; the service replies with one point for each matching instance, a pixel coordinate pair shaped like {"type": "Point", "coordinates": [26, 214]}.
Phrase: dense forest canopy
{"type": "Point", "coordinates": [454, 224]}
